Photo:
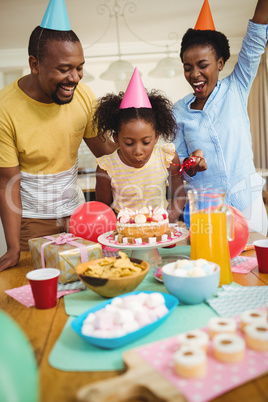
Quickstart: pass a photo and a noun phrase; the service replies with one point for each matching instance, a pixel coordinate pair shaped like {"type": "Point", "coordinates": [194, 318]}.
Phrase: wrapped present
{"type": "Point", "coordinates": [63, 251]}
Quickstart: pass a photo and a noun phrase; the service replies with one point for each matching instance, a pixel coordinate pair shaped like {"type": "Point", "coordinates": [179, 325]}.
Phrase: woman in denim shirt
{"type": "Point", "coordinates": [214, 118]}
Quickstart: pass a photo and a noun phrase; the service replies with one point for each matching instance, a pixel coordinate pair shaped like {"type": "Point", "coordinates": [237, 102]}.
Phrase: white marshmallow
{"type": "Point", "coordinates": [123, 316]}
{"type": "Point", "coordinates": [143, 318]}
{"type": "Point", "coordinates": [154, 300]}
{"type": "Point", "coordinates": [160, 311]}
{"type": "Point", "coordinates": [117, 302]}
{"type": "Point", "coordinates": [87, 329]}
{"type": "Point", "coordinates": [90, 319]}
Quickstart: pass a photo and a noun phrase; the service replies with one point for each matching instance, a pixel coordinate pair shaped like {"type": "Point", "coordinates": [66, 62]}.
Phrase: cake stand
{"type": "Point", "coordinates": [146, 251]}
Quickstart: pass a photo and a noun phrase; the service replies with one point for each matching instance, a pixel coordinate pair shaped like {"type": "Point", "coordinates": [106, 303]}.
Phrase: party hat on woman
{"type": "Point", "coordinates": [205, 20]}
{"type": "Point", "coordinates": [56, 16]}
{"type": "Point", "coordinates": [135, 95]}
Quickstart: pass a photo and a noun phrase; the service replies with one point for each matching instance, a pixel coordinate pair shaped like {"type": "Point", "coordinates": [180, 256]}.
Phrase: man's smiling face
{"type": "Point", "coordinates": [60, 72]}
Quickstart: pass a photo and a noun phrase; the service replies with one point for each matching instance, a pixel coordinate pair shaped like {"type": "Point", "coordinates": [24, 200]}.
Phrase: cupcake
{"type": "Point", "coordinates": [197, 338]}
{"type": "Point", "coordinates": [218, 325]}
{"type": "Point", "coordinates": [257, 337]}
{"type": "Point", "coordinates": [190, 362]}
{"type": "Point", "coordinates": [228, 348]}
{"type": "Point", "coordinates": [253, 317]}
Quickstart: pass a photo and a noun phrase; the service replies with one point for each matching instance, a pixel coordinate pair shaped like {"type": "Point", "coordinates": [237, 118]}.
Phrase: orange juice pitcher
{"type": "Point", "coordinates": [210, 229]}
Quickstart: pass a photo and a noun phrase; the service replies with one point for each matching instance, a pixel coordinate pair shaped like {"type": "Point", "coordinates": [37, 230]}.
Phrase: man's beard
{"type": "Point", "coordinates": [58, 101]}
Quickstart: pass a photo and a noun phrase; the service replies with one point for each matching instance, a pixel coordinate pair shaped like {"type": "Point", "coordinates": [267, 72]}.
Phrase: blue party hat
{"type": "Point", "coordinates": [56, 16]}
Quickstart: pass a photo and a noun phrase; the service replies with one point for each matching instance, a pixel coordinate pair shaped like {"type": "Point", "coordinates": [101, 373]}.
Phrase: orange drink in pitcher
{"type": "Point", "coordinates": [208, 230]}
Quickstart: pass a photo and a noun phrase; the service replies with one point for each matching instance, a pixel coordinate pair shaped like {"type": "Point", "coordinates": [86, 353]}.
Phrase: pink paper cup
{"type": "Point", "coordinates": [44, 284]}
{"type": "Point", "coordinates": [261, 248]}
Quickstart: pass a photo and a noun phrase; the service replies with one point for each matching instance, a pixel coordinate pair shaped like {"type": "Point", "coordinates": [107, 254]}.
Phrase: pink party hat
{"type": "Point", "coordinates": [135, 95]}
{"type": "Point", "coordinates": [205, 20]}
{"type": "Point", "coordinates": [56, 17]}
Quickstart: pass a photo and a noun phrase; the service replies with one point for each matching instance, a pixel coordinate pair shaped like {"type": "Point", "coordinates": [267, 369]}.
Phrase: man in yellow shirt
{"type": "Point", "coordinates": [43, 118]}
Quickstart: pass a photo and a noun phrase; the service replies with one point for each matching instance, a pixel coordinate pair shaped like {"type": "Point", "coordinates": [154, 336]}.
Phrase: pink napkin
{"type": "Point", "coordinates": [243, 265]}
{"type": "Point", "coordinates": [24, 294]}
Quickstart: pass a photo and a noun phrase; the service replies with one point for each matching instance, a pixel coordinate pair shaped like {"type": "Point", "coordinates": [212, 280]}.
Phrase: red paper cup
{"type": "Point", "coordinates": [261, 248]}
{"type": "Point", "coordinates": [44, 284]}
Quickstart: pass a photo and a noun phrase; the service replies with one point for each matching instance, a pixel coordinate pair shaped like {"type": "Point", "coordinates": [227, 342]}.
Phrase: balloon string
{"type": "Point", "coordinates": [187, 164]}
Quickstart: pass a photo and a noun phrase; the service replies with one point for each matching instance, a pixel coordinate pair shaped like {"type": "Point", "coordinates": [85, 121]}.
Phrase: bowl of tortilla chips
{"type": "Point", "coordinates": [113, 276]}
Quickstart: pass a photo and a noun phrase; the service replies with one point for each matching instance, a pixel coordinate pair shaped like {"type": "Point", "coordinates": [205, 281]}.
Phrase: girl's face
{"type": "Point", "coordinates": [136, 140]}
{"type": "Point", "coordinates": [201, 70]}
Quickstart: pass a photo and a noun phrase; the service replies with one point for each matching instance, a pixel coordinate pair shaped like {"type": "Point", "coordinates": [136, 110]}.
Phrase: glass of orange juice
{"type": "Point", "coordinates": [208, 229]}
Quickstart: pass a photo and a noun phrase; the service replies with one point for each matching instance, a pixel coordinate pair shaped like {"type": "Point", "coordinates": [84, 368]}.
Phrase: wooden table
{"type": "Point", "coordinates": [43, 327]}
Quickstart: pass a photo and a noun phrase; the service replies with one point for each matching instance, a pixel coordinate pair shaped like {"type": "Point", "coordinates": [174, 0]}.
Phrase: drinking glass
{"type": "Point", "coordinates": [210, 229]}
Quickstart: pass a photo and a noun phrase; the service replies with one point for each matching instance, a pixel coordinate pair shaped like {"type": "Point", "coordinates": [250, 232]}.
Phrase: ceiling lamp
{"type": "Point", "coordinates": [122, 70]}
{"type": "Point", "coordinates": [87, 77]}
{"type": "Point", "coordinates": [119, 70]}
{"type": "Point", "coordinates": [168, 67]}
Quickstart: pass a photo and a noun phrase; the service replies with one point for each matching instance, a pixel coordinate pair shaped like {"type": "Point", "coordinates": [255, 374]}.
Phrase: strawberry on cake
{"type": "Point", "coordinates": [146, 225]}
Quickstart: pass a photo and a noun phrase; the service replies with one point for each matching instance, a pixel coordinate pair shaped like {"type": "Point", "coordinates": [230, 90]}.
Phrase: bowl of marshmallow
{"type": "Point", "coordinates": [191, 281]}
{"type": "Point", "coordinates": [123, 319]}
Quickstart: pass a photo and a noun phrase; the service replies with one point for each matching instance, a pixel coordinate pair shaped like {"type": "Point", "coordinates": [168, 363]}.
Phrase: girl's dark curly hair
{"type": "Point", "coordinates": [108, 118]}
{"type": "Point", "coordinates": [215, 39]}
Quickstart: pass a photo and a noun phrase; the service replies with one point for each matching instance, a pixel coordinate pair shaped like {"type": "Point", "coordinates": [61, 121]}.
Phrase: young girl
{"type": "Point", "coordinates": [135, 175]}
{"type": "Point", "coordinates": [215, 118]}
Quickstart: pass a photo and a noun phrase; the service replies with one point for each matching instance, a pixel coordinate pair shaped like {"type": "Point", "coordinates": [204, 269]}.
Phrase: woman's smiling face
{"type": "Point", "coordinates": [201, 70]}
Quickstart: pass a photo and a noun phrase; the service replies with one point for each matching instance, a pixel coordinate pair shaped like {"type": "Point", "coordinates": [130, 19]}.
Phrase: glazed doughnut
{"type": "Point", "coordinates": [228, 348]}
{"type": "Point", "coordinates": [257, 337]}
{"type": "Point", "coordinates": [253, 317]}
{"type": "Point", "coordinates": [196, 337]}
{"type": "Point", "coordinates": [218, 325]}
{"type": "Point", "coordinates": [190, 362]}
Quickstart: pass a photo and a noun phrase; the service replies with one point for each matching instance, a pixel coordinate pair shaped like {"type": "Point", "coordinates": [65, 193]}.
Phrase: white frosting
{"type": "Point", "coordinates": [228, 343]}
{"type": "Point", "coordinates": [194, 338]}
{"type": "Point", "coordinates": [257, 331]}
{"type": "Point", "coordinates": [158, 217]}
{"type": "Point", "coordinates": [124, 218]}
{"type": "Point", "coordinates": [190, 356]}
{"type": "Point", "coordinates": [160, 210]}
{"type": "Point", "coordinates": [146, 224]}
{"type": "Point", "coordinates": [220, 324]}
{"type": "Point", "coordinates": [144, 210]}
{"type": "Point", "coordinates": [152, 240]}
{"type": "Point", "coordinates": [140, 219]}
{"type": "Point", "coordinates": [126, 211]}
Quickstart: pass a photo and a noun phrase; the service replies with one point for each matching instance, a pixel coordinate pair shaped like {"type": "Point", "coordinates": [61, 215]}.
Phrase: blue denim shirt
{"type": "Point", "coordinates": [222, 128]}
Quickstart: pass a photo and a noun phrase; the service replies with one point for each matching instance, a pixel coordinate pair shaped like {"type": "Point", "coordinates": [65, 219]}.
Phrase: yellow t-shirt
{"type": "Point", "coordinates": [135, 188]}
{"type": "Point", "coordinates": [43, 139]}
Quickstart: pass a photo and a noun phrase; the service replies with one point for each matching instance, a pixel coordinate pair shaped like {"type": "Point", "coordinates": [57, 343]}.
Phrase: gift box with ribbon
{"type": "Point", "coordinates": [63, 251]}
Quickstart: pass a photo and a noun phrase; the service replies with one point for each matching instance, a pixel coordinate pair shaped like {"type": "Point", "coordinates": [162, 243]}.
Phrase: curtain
{"type": "Point", "coordinates": [258, 114]}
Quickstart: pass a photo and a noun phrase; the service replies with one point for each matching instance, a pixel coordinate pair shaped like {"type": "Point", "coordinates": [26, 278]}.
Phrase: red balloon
{"type": "Point", "coordinates": [92, 219]}
{"type": "Point", "coordinates": [240, 233]}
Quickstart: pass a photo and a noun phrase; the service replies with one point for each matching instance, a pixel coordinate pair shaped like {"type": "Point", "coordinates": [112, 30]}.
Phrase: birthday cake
{"type": "Point", "coordinates": [146, 225]}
